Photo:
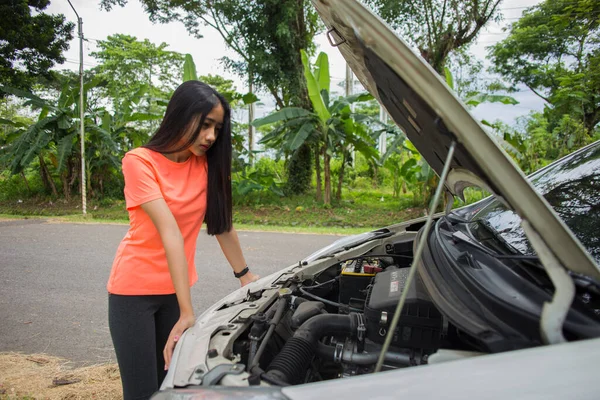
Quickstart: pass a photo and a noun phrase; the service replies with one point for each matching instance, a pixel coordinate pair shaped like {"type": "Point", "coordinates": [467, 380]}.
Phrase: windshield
{"type": "Point", "coordinates": [572, 187]}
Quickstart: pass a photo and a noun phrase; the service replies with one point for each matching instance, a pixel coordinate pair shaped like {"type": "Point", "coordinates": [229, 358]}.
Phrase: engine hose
{"type": "Point", "coordinates": [273, 324]}
{"type": "Point", "coordinates": [328, 352]}
{"type": "Point", "coordinates": [291, 364]}
{"type": "Point", "coordinates": [253, 350]}
{"type": "Point", "coordinates": [331, 303]}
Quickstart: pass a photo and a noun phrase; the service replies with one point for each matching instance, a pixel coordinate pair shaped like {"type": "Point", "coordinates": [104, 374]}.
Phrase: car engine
{"type": "Point", "coordinates": [335, 324]}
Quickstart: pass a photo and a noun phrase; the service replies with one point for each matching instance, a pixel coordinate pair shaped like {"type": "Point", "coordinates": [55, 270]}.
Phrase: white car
{"type": "Point", "coordinates": [496, 300]}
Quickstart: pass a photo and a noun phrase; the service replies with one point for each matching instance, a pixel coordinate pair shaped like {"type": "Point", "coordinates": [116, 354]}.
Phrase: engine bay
{"type": "Point", "coordinates": [331, 315]}
{"type": "Point", "coordinates": [334, 324]}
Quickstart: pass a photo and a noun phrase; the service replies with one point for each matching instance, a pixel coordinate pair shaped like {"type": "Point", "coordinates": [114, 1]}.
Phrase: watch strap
{"type": "Point", "coordinates": [241, 273]}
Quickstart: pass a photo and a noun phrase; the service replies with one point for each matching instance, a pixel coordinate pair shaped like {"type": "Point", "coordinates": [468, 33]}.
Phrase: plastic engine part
{"type": "Point", "coordinates": [420, 325]}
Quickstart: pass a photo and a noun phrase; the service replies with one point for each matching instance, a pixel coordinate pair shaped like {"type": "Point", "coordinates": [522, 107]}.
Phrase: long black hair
{"type": "Point", "coordinates": [190, 100]}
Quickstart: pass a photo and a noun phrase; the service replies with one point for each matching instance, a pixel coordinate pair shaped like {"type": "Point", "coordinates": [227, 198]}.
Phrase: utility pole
{"type": "Point", "coordinates": [383, 137]}
{"type": "Point", "coordinates": [251, 129]}
{"type": "Point", "coordinates": [349, 80]}
{"type": "Point", "coordinates": [349, 90]}
{"type": "Point", "coordinates": [81, 111]}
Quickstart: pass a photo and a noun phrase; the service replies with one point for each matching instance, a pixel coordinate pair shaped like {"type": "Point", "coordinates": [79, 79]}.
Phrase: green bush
{"type": "Point", "coordinates": [13, 187]}
{"type": "Point", "coordinates": [268, 166]}
{"type": "Point", "coordinates": [362, 183]}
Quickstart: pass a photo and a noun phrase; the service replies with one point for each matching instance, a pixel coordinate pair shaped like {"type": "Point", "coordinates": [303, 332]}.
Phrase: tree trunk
{"type": "Point", "coordinates": [318, 171]}
{"type": "Point", "coordinates": [590, 120]}
{"type": "Point", "coordinates": [46, 177]}
{"type": "Point", "coordinates": [73, 172]}
{"type": "Point", "coordinates": [66, 188]}
{"type": "Point", "coordinates": [338, 195]}
{"type": "Point", "coordinates": [375, 181]}
{"type": "Point", "coordinates": [25, 180]}
{"type": "Point", "coordinates": [327, 172]}
{"type": "Point", "coordinates": [299, 169]}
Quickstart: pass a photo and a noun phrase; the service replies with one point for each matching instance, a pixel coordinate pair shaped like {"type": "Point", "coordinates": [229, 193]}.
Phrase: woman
{"type": "Point", "coordinates": [172, 184]}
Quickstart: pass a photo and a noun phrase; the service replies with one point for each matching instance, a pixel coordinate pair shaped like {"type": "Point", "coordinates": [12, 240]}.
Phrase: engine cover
{"type": "Point", "coordinates": [420, 325]}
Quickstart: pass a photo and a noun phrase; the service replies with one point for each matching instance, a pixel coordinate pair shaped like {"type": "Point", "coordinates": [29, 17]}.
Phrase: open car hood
{"type": "Point", "coordinates": [431, 116]}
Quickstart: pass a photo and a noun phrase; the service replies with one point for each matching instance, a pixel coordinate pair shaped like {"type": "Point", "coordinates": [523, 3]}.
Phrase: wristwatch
{"type": "Point", "coordinates": [241, 273]}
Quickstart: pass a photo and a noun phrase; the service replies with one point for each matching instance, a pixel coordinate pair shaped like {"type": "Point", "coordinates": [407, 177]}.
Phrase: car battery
{"type": "Point", "coordinates": [355, 277]}
{"type": "Point", "coordinates": [420, 325]}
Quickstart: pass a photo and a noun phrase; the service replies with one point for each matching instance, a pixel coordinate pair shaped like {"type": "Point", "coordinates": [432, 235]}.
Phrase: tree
{"type": "Point", "coordinates": [51, 137]}
{"type": "Point", "coordinates": [30, 45]}
{"type": "Point", "coordinates": [110, 134]}
{"type": "Point", "coordinates": [123, 58]}
{"type": "Point", "coordinates": [534, 143]}
{"type": "Point", "coordinates": [554, 49]}
{"type": "Point", "coordinates": [437, 27]}
{"type": "Point", "coordinates": [331, 128]}
{"type": "Point", "coordinates": [267, 35]}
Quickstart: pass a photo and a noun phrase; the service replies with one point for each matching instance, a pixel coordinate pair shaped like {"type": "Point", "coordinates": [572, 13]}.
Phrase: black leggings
{"type": "Point", "coordinates": [139, 327]}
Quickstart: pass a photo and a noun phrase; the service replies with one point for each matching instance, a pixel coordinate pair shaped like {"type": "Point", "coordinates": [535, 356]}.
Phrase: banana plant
{"type": "Point", "coordinates": [110, 134]}
{"type": "Point", "coordinates": [51, 137]}
{"type": "Point", "coordinates": [330, 127]}
{"type": "Point", "coordinates": [54, 137]}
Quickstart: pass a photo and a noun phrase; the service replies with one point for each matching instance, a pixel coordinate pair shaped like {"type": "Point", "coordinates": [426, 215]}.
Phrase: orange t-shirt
{"type": "Point", "coordinates": [140, 266]}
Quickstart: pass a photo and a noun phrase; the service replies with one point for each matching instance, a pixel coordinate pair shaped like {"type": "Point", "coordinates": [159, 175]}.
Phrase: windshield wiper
{"type": "Point", "coordinates": [458, 235]}
{"type": "Point", "coordinates": [486, 225]}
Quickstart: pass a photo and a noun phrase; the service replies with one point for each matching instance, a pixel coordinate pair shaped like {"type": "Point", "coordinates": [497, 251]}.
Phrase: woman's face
{"type": "Point", "coordinates": [208, 132]}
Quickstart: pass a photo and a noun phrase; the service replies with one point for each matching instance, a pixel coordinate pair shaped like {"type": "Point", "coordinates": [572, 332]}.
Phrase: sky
{"type": "Point", "coordinates": [207, 51]}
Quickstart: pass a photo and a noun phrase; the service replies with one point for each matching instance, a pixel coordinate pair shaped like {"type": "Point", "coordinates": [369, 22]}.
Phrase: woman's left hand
{"type": "Point", "coordinates": [185, 322]}
{"type": "Point", "coordinates": [248, 278]}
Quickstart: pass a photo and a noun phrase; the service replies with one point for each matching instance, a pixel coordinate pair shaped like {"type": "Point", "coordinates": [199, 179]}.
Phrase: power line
{"type": "Point", "coordinates": [77, 62]}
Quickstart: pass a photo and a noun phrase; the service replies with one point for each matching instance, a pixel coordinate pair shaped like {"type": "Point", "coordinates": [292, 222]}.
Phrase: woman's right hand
{"type": "Point", "coordinates": [185, 322]}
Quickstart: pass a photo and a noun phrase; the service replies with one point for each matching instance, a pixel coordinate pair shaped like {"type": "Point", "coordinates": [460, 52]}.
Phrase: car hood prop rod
{"type": "Point", "coordinates": [417, 257]}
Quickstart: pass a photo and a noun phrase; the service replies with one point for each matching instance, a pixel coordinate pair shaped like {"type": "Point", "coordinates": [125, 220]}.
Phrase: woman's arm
{"type": "Point", "coordinates": [230, 245]}
{"type": "Point", "coordinates": [172, 240]}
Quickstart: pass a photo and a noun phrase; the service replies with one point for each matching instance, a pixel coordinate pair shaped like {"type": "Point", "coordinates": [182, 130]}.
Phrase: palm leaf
{"type": "Point", "coordinates": [64, 149]}
{"type": "Point", "coordinates": [66, 97]}
{"type": "Point", "coordinates": [358, 97]}
{"type": "Point", "coordinates": [16, 124]}
{"type": "Point", "coordinates": [33, 99]}
{"type": "Point", "coordinates": [64, 121]}
{"type": "Point", "coordinates": [39, 140]}
{"type": "Point", "coordinates": [281, 115]}
{"type": "Point", "coordinates": [273, 136]}
{"type": "Point", "coordinates": [490, 98]}
{"type": "Point", "coordinates": [314, 93]}
{"type": "Point", "coordinates": [394, 148]}
{"type": "Point", "coordinates": [189, 69]}
{"type": "Point", "coordinates": [344, 102]}
{"type": "Point", "coordinates": [141, 92]}
{"type": "Point", "coordinates": [106, 121]}
{"type": "Point", "coordinates": [407, 166]}
{"type": "Point", "coordinates": [322, 72]}
{"type": "Point", "coordinates": [449, 78]}
{"type": "Point", "coordinates": [298, 139]}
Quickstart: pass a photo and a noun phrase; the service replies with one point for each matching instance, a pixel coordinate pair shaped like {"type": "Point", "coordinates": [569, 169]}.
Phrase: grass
{"type": "Point", "coordinates": [358, 212]}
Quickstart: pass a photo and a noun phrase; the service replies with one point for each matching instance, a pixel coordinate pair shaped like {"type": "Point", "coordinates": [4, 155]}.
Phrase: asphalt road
{"type": "Point", "coordinates": [53, 278]}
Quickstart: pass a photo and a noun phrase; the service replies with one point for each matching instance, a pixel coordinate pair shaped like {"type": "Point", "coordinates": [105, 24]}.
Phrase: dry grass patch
{"type": "Point", "coordinates": [39, 376]}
